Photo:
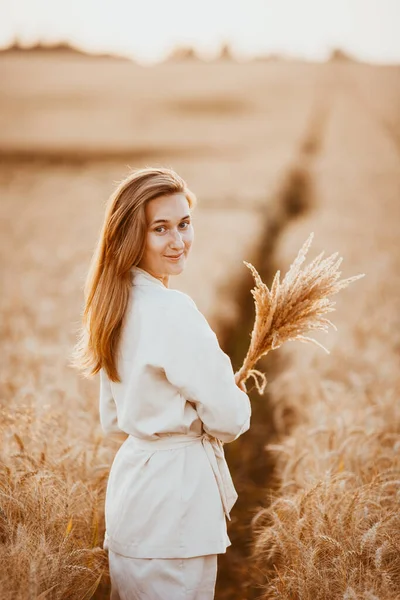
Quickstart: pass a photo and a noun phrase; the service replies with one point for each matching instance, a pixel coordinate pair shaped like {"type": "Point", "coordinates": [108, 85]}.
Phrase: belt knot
{"type": "Point", "coordinates": [215, 453]}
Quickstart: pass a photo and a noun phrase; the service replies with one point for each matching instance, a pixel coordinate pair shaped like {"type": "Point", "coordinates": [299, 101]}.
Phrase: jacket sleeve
{"type": "Point", "coordinates": [196, 365]}
{"type": "Point", "coordinates": [107, 407]}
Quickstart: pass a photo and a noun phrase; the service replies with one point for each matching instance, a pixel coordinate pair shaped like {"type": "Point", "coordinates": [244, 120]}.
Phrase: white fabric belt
{"type": "Point", "coordinates": [214, 451]}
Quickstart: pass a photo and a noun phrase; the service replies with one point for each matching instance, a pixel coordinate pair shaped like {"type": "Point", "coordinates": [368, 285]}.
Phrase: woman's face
{"type": "Point", "coordinates": [169, 234]}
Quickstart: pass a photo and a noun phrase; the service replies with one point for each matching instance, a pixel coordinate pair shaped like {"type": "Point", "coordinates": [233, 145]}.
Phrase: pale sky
{"type": "Point", "coordinates": [148, 29]}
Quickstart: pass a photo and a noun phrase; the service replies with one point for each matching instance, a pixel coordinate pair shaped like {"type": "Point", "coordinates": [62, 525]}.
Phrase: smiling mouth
{"type": "Point", "coordinates": [177, 256]}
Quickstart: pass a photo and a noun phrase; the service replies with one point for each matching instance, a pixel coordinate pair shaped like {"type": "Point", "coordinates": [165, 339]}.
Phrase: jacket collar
{"type": "Point", "coordinates": [142, 277]}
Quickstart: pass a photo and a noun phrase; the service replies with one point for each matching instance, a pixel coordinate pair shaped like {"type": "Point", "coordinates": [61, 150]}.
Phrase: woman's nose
{"type": "Point", "coordinates": [177, 239]}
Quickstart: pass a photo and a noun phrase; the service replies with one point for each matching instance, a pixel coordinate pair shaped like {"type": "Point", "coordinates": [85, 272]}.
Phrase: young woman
{"type": "Point", "coordinates": [164, 381]}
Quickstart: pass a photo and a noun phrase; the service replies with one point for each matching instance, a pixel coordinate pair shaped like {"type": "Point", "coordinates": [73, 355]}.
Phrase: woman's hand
{"type": "Point", "coordinates": [240, 385]}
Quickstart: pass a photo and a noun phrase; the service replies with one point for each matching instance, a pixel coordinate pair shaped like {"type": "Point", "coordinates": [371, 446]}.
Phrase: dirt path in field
{"type": "Point", "coordinates": [251, 466]}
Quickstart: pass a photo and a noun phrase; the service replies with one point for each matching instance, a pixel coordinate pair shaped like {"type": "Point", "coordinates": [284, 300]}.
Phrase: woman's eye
{"type": "Point", "coordinates": [157, 229]}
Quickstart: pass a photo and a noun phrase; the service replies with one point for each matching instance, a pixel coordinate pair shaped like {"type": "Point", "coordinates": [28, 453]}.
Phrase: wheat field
{"type": "Point", "coordinates": [273, 150]}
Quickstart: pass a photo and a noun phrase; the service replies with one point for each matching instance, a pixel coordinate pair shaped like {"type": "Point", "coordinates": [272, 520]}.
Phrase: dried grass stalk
{"type": "Point", "coordinates": [291, 308]}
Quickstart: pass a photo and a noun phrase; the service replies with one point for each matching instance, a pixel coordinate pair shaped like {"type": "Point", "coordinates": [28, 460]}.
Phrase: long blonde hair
{"type": "Point", "coordinates": [120, 247]}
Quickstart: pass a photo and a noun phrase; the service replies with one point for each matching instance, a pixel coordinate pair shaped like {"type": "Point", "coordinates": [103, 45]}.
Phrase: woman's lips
{"type": "Point", "coordinates": [175, 258]}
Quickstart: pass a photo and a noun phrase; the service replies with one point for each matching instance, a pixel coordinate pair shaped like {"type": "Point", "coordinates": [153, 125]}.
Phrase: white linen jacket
{"type": "Point", "coordinates": [169, 487]}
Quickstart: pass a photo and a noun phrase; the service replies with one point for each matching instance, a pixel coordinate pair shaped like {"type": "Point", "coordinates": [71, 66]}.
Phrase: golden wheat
{"type": "Point", "coordinates": [331, 528]}
{"type": "Point", "coordinates": [291, 308]}
{"type": "Point", "coordinates": [51, 504]}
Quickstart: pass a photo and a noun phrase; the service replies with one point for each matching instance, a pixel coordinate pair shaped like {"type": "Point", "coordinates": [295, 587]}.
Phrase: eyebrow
{"type": "Point", "coordinates": [167, 220]}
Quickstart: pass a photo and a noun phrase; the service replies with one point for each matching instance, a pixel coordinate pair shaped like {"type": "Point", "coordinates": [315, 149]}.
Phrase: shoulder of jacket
{"type": "Point", "coordinates": [181, 306]}
{"type": "Point", "coordinates": [177, 304]}
{"type": "Point", "coordinates": [178, 298]}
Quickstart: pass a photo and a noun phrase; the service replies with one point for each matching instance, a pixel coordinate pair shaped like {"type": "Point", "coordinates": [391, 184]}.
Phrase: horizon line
{"type": "Point", "coordinates": [190, 52]}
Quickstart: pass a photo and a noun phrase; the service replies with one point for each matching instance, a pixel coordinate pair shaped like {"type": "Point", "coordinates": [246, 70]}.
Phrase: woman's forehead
{"type": "Point", "coordinates": [172, 207]}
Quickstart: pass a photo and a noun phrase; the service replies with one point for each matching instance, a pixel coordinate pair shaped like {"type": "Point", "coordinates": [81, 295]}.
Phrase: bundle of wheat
{"type": "Point", "coordinates": [291, 308]}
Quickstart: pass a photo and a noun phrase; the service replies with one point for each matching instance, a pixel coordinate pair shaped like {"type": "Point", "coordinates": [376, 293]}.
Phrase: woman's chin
{"type": "Point", "coordinates": [175, 267]}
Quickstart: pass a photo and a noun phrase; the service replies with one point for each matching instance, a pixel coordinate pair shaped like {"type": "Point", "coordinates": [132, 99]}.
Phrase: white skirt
{"type": "Point", "coordinates": [191, 578]}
